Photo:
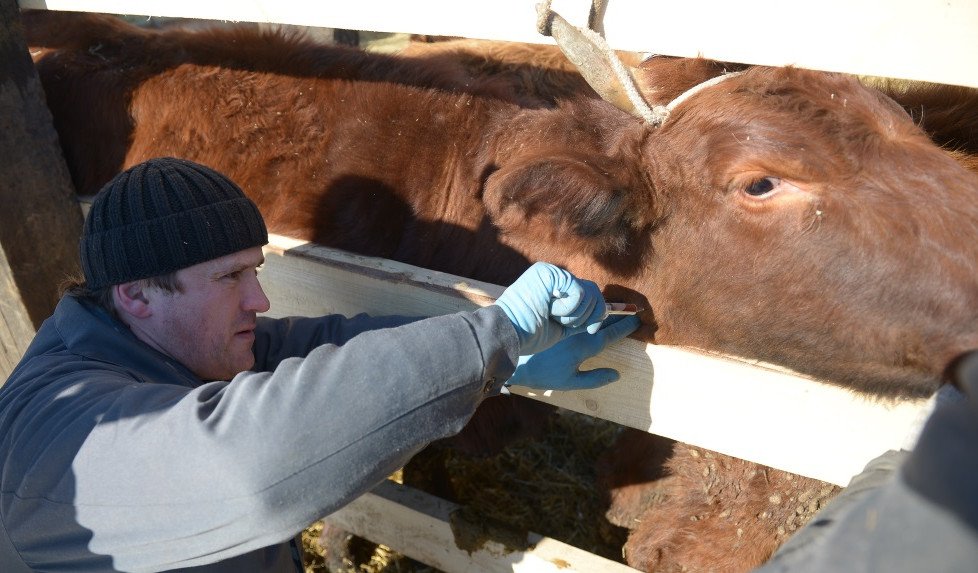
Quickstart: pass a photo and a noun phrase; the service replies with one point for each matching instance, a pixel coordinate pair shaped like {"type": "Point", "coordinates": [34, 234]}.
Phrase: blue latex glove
{"type": "Point", "coordinates": [557, 368]}
{"type": "Point", "coordinates": [547, 304]}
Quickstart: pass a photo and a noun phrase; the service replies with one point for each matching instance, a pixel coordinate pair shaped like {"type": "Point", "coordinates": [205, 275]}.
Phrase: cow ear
{"type": "Point", "coordinates": [560, 198]}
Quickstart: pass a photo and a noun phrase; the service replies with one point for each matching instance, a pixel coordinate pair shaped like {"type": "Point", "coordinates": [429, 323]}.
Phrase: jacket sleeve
{"type": "Point", "coordinates": [278, 339]}
{"type": "Point", "coordinates": [168, 477]}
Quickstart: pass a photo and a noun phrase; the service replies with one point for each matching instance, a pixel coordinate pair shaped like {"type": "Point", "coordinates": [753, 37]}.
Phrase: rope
{"type": "Point", "coordinates": [700, 86]}
{"type": "Point", "coordinates": [595, 19]}
{"type": "Point", "coordinates": [545, 18]}
{"type": "Point", "coordinates": [545, 15]}
{"type": "Point", "coordinates": [596, 61]}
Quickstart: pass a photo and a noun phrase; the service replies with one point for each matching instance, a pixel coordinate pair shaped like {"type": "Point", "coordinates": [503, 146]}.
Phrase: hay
{"type": "Point", "coordinates": [364, 557]}
{"type": "Point", "coordinates": [546, 486]}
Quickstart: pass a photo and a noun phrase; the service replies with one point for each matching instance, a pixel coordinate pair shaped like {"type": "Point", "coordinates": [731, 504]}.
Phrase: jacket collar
{"type": "Point", "coordinates": [89, 331]}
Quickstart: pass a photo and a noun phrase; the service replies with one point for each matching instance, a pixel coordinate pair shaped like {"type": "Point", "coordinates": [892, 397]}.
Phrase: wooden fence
{"type": "Point", "coordinates": [929, 40]}
{"type": "Point", "coordinates": [719, 403]}
{"type": "Point", "coordinates": [716, 402]}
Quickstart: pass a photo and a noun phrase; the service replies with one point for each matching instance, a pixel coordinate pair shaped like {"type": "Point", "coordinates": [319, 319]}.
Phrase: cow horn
{"type": "Point", "coordinates": [599, 65]}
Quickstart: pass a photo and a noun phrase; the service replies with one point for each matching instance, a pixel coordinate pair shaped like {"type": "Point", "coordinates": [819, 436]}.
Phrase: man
{"type": "Point", "coordinates": [156, 423]}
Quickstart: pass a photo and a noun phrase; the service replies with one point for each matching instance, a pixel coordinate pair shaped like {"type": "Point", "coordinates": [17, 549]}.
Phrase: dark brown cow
{"type": "Point", "coordinates": [785, 215]}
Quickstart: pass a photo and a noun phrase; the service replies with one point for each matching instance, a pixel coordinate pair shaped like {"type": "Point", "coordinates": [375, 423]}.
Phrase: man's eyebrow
{"type": "Point", "coordinates": [233, 268]}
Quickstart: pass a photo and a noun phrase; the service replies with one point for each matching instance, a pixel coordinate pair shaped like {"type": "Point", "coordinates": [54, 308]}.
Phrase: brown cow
{"type": "Point", "coordinates": [786, 215]}
{"type": "Point", "coordinates": [671, 497]}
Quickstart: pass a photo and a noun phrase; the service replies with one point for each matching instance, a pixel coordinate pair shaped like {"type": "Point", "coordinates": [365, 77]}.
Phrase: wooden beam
{"type": "Point", "coordinates": [932, 40]}
{"type": "Point", "coordinates": [745, 409]}
{"type": "Point", "coordinates": [432, 531]}
{"type": "Point", "coordinates": [16, 329]}
{"type": "Point", "coordinates": [39, 221]}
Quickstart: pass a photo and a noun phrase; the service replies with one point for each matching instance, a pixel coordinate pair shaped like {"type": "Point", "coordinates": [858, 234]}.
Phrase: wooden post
{"type": "Point", "coordinates": [39, 217]}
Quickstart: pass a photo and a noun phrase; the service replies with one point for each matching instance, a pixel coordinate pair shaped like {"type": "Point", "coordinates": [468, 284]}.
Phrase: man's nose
{"type": "Point", "coordinates": [255, 299]}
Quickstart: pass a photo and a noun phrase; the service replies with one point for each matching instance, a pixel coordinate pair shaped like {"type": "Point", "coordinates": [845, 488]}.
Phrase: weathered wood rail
{"type": "Point", "coordinates": [913, 39]}
{"type": "Point", "coordinates": [717, 402]}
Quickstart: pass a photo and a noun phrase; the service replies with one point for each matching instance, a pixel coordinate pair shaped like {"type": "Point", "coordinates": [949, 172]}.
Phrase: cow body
{"type": "Point", "coordinates": [784, 215]}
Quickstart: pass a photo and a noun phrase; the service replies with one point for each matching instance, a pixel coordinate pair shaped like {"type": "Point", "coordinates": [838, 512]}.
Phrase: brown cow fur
{"type": "Point", "coordinates": [948, 114]}
{"type": "Point", "coordinates": [860, 268]}
{"type": "Point", "coordinates": [715, 501]}
{"type": "Point", "coordinates": [691, 509]}
{"type": "Point", "coordinates": [578, 184]}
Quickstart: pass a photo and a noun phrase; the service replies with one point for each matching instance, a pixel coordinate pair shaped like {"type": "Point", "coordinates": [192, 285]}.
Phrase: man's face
{"type": "Point", "coordinates": [209, 326]}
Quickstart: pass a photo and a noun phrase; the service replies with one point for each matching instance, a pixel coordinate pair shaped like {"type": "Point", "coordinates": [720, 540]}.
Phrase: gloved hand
{"type": "Point", "coordinates": [557, 368]}
{"type": "Point", "coordinates": [547, 304]}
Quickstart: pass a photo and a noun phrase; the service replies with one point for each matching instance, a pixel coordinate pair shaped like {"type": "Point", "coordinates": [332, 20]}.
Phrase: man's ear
{"type": "Point", "coordinates": [130, 299]}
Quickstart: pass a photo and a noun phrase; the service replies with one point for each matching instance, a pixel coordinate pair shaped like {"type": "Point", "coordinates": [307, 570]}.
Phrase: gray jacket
{"type": "Point", "coordinates": [117, 458]}
{"type": "Point", "coordinates": [908, 512]}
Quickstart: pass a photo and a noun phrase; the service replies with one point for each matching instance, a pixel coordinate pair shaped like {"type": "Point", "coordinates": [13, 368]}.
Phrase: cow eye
{"type": "Point", "coordinates": [762, 187]}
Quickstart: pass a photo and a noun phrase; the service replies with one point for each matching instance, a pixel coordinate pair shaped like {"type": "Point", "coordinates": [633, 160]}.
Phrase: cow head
{"type": "Point", "coordinates": [813, 224]}
{"type": "Point", "coordinates": [783, 214]}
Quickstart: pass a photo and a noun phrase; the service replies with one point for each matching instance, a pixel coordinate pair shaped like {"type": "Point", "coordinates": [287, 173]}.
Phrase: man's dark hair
{"type": "Point", "coordinates": [102, 296]}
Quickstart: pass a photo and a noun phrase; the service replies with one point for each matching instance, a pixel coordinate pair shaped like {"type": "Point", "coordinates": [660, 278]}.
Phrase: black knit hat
{"type": "Point", "coordinates": [164, 215]}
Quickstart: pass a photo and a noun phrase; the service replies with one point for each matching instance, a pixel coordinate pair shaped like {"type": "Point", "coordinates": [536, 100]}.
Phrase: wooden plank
{"type": "Point", "coordinates": [39, 221]}
{"type": "Point", "coordinates": [932, 40]}
{"type": "Point", "coordinates": [745, 409]}
{"type": "Point", "coordinates": [16, 329]}
{"type": "Point", "coordinates": [429, 530]}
